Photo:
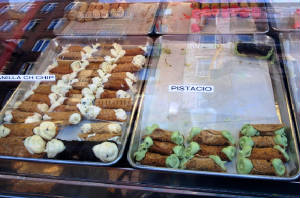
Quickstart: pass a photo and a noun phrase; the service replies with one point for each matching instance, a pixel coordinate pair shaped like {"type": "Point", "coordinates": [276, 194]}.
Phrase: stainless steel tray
{"type": "Point", "coordinates": [275, 99]}
{"type": "Point", "coordinates": [280, 15]}
{"type": "Point", "coordinates": [139, 20]}
{"type": "Point", "coordinates": [70, 132]}
{"type": "Point", "coordinates": [290, 45]}
{"type": "Point", "coordinates": [174, 18]}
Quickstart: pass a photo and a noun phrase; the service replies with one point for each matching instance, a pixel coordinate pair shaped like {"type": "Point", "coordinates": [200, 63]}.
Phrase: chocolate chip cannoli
{"type": "Point", "coordinates": [211, 137]}
{"type": "Point", "coordinates": [98, 136]}
{"type": "Point", "coordinates": [105, 93]}
{"type": "Point", "coordinates": [43, 89]}
{"type": "Point", "coordinates": [17, 129]}
{"type": "Point", "coordinates": [125, 59]}
{"type": "Point", "coordinates": [262, 129]}
{"type": "Point", "coordinates": [263, 141]}
{"type": "Point", "coordinates": [68, 117]}
{"type": "Point", "coordinates": [29, 106]}
{"type": "Point", "coordinates": [65, 108]}
{"type": "Point", "coordinates": [273, 167]}
{"type": "Point", "coordinates": [115, 103]}
{"type": "Point", "coordinates": [16, 116]}
{"type": "Point", "coordinates": [101, 127]}
{"type": "Point", "coordinates": [122, 84]}
{"type": "Point", "coordinates": [164, 135]}
{"type": "Point", "coordinates": [41, 98]}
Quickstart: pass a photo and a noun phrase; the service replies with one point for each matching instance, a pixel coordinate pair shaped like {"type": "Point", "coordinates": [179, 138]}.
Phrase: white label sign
{"type": "Point", "coordinates": [191, 88]}
{"type": "Point", "coordinates": [27, 78]}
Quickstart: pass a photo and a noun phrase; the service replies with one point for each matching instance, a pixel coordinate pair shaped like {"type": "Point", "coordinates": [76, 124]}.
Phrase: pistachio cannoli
{"type": "Point", "coordinates": [264, 153]}
{"type": "Point", "coordinates": [226, 153]}
{"type": "Point", "coordinates": [164, 135]}
{"type": "Point", "coordinates": [212, 163]}
{"type": "Point", "coordinates": [211, 137]}
{"type": "Point", "coordinates": [22, 117]}
{"type": "Point", "coordinates": [69, 117]}
{"type": "Point", "coordinates": [166, 148]}
{"type": "Point", "coordinates": [263, 141]}
{"type": "Point", "coordinates": [29, 106]}
{"type": "Point", "coordinates": [115, 103]}
{"type": "Point", "coordinates": [262, 129]}
{"type": "Point", "coordinates": [261, 167]}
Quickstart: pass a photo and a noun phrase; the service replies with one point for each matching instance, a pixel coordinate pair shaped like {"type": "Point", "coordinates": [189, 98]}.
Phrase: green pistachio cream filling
{"type": "Point", "coordinates": [246, 151]}
{"type": "Point", "coordinates": [143, 148]}
{"type": "Point", "coordinates": [177, 138]}
{"type": "Point", "coordinates": [244, 165]}
{"type": "Point", "coordinates": [194, 131]}
{"type": "Point", "coordinates": [278, 166]}
{"type": "Point", "coordinates": [150, 129]}
{"type": "Point", "coordinates": [218, 161]}
{"type": "Point", "coordinates": [280, 131]}
{"type": "Point", "coordinates": [178, 151]}
{"type": "Point", "coordinates": [245, 140]}
{"type": "Point", "coordinates": [229, 151]}
{"type": "Point", "coordinates": [249, 130]}
{"type": "Point", "coordinates": [172, 161]}
{"type": "Point", "coordinates": [228, 136]}
{"type": "Point", "coordinates": [281, 140]}
{"type": "Point", "coordinates": [284, 153]}
{"type": "Point", "coordinates": [191, 150]}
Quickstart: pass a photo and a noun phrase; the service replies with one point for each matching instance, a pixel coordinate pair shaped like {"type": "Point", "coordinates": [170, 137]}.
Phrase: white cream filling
{"type": "Point", "coordinates": [4, 131]}
{"type": "Point", "coordinates": [8, 116]}
{"type": "Point", "coordinates": [139, 60]}
{"type": "Point", "coordinates": [85, 128]}
{"type": "Point", "coordinates": [34, 144]}
{"type": "Point", "coordinates": [54, 147]}
{"type": "Point", "coordinates": [46, 117]}
{"type": "Point", "coordinates": [107, 68]}
{"type": "Point", "coordinates": [109, 59]}
{"type": "Point", "coordinates": [53, 97]}
{"type": "Point", "coordinates": [75, 118]}
{"type": "Point", "coordinates": [43, 107]}
{"type": "Point", "coordinates": [28, 94]}
{"type": "Point", "coordinates": [57, 103]}
{"type": "Point", "coordinates": [122, 94]}
{"type": "Point", "coordinates": [120, 114]}
{"type": "Point", "coordinates": [46, 130]}
{"type": "Point", "coordinates": [17, 104]}
{"type": "Point", "coordinates": [93, 87]}
{"type": "Point", "coordinates": [92, 112]}
{"type": "Point", "coordinates": [104, 77]}
{"type": "Point", "coordinates": [82, 108]}
{"type": "Point", "coordinates": [76, 66]}
{"type": "Point", "coordinates": [114, 128]}
{"type": "Point", "coordinates": [86, 92]}
{"type": "Point", "coordinates": [99, 91]}
{"type": "Point", "coordinates": [97, 81]}
{"type": "Point", "coordinates": [87, 100]}
{"type": "Point", "coordinates": [34, 118]}
{"type": "Point", "coordinates": [106, 151]}
{"type": "Point", "coordinates": [131, 76]}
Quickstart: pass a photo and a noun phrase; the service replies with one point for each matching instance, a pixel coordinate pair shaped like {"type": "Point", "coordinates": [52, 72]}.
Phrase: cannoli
{"type": "Point", "coordinates": [118, 115]}
{"type": "Point", "coordinates": [54, 147]}
{"type": "Point", "coordinates": [89, 13]}
{"type": "Point", "coordinates": [87, 74]}
{"type": "Point", "coordinates": [166, 148]}
{"type": "Point", "coordinates": [64, 63]}
{"type": "Point", "coordinates": [120, 12]}
{"type": "Point", "coordinates": [211, 137]}
{"type": "Point", "coordinates": [43, 89]}
{"type": "Point", "coordinates": [126, 67]}
{"type": "Point", "coordinates": [106, 151]}
{"type": "Point", "coordinates": [69, 117]}
{"type": "Point", "coordinates": [124, 84]}
{"type": "Point", "coordinates": [74, 48]}
{"type": "Point", "coordinates": [96, 11]}
{"type": "Point", "coordinates": [72, 101]}
{"type": "Point", "coordinates": [14, 146]}
{"type": "Point", "coordinates": [29, 106]}
{"type": "Point", "coordinates": [18, 129]}
{"type": "Point", "coordinates": [264, 153]}
{"type": "Point", "coordinates": [74, 91]}
{"type": "Point", "coordinates": [65, 108]}
{"type": "Point", "coordinates": [99, 137]}
{"type": "Point", "coordinates": [22, 117]}
{"type": "Point", "coordinates": [134, 51]}
{"type": "Point", "coordinates": [263, 129]}
{"type": "Point", "coordinates": [61, 70]}
{"type": "Point", "coordinates": [115, 103]}
{"type": "Point", "coordinates": [105, 93]}
{"type": "Point", "coordinates": [163, 135]}
{"type": "Point", "coordinates": [113, 9]}
{"type": "Point", "coordinates": [259, 51]}
{"type": "Point", "coordinates": [41, 98]}
{"type": "Point", "coordinates": [263, 141]}
{"type": "Point", "coordinates": [212, 163]}
{"type": "Point", "coordinates": [154, 159]}
{"type": "Point", "coordinates": [79, 96]}
{"type": "Point", "coordinates": [80, 85]}
{"type": "Point", "coordinates": [123, 76]}
{"type": "Point", "coordinates": [96, 60]}
{"type": "Point", "coordinates": [261, 167]}
{"type": "Point", "coordinates": [70, 56]}
{"type": "Point", "coordinates": [81, 11]}
{"type": "Point", "coordinates": [104, 12]}
{"type": "Point", "coordinates": [125, 59]}
{"type": "Point", "coordinates": [93, 66]}
{"type": "Point", "coordinates": [226, 153]}
{"type": "Point", "coordinates": [47, 130]}
{"type": "Point", "coordinates": [101, 127]}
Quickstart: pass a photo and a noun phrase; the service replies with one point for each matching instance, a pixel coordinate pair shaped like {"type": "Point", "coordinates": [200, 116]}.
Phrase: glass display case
{"type": "Point", "coordinates": [145, 98]}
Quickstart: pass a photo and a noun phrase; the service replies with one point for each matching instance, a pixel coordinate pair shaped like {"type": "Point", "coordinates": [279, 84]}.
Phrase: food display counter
{"type": "Point", "coordinates": [149, 99]}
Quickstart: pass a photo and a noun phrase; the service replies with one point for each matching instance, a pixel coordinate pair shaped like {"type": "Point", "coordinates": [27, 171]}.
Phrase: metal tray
{"type": "Point", "coordinates": [280, 15]}
{"type": "Point", "coordinates": [174, 18]}
{"type": "Point", "coordinates": [139, 20]}
{"type": "Point", "coordinates": [276, 100]}
{"type": "Point", "coordinates": [70, 132]}
{"type": "Point", "coordinates": [290, 45]}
